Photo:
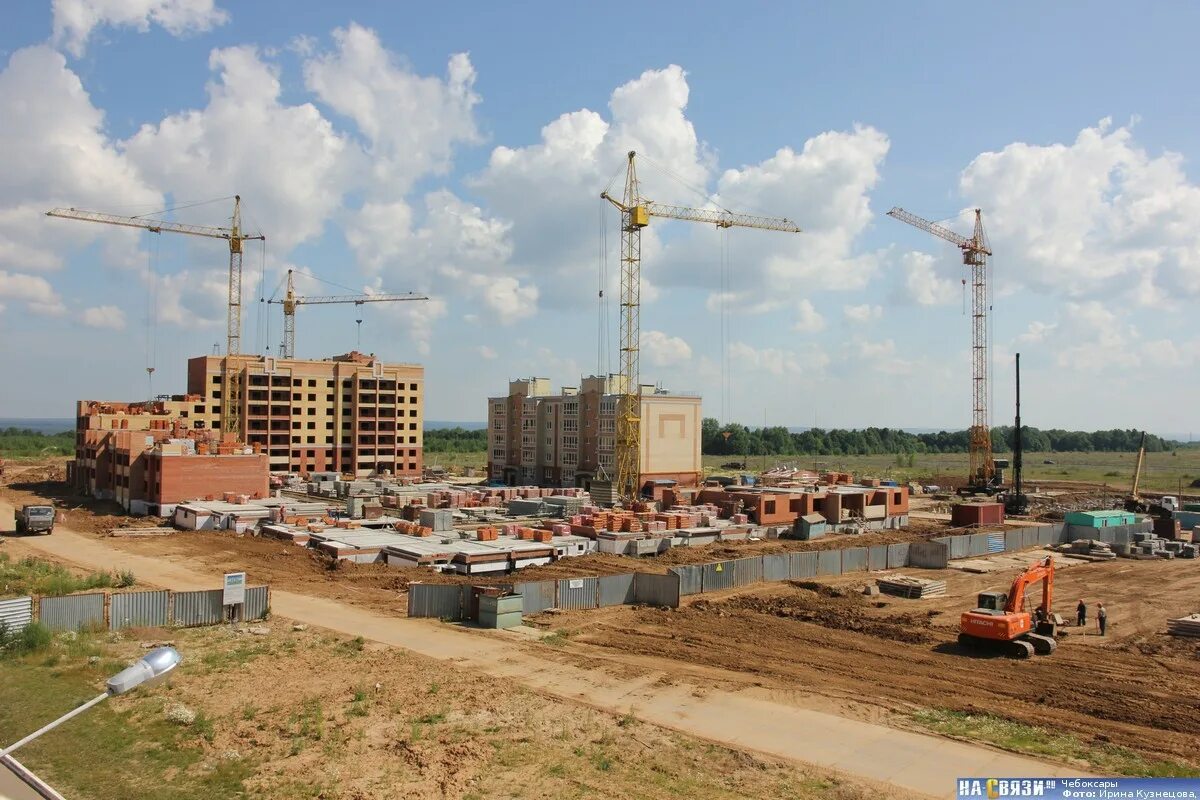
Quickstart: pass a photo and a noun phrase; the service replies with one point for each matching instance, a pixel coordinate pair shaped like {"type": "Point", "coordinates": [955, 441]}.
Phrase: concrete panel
{"type": "Point", "coordinates": [16, 613]}
{"type": "Point", "coordinates": [1046, 536]}
{"type": "Point", "coordinates": [72, 612]}
{"type": "Point", "coordinates": [657, 590]}
{"type": "Point", "coordinates": [804, 565]}
{"type": "Point", "coordinates": [776, 568]}
{"type": "Point", "coordinates": [829, 562]}
{"type": "Point", "coordinates": [717, 576]}
{"type": "Point", "coordinates": [577, 593]}
{"type": "Point", "coordinates": [138, 609]}
{"type": "Point", "coordinates": [897, 555]}
{"type": "Point", "coordinates": [977, 545]}
{"type": "Point", "coordinates": [1029, 538]}
{"type": "Point", "coordinates": [747, 571]}
{"type": "Point", "coordinates": [960, 546]}
{"type": "Point", "coordinates": [877, 557]}
{"type": "Point", "coordinates": [854, 559]}
{"type": "Point", "coordinates": [690, 579]}
{"type": "Point", "coordinates": [928, 555]}
{"type": "Point", "coordinates": [616, 590]}
{"type": "Point", "coordinates": [428, 600]}
{"type": "Point", "coordinates": [1012, 540]}
{"type": "Point", "coordinates": [258, 603]}
{"type": "Point", "coordinates": [538, 595]}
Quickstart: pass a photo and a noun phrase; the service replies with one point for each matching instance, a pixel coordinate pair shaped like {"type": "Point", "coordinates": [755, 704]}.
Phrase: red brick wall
{"type": "Point", "coordinates": [182, 478]}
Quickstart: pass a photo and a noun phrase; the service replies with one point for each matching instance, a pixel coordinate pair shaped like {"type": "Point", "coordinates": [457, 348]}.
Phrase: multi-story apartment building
{"type": "Point", "coordinates": [569, 439]}
{"type": "Point", "coordinates": [352, 414]}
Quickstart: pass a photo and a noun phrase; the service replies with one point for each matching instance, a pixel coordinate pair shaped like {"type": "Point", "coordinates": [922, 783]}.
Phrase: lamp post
{"type": "Point", "coordinates": [150, 670]}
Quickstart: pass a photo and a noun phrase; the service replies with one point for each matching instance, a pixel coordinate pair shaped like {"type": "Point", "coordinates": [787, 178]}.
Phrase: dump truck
{"type": "Point", "coordinates": [35, 519]}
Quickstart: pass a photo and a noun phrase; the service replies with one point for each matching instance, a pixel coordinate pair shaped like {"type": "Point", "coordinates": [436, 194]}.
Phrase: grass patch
{"type": "Point", "coordinates": [1031, 740]}
{"type": "Point", "coordinates": [38, 577]}
{"type": "Point", "coordinates": [26, 640]}
{"type": "Point", "coordinates": [219, 660]}
{"type": "Point", "coordinates": [556, 639]}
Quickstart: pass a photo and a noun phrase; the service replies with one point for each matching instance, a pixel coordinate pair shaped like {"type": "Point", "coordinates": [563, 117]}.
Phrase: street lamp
{"type": "Point", "coordinates": [149, 670]}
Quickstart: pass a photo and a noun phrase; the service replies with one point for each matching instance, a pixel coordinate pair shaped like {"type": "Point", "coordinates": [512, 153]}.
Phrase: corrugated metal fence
{"type": "Point", "coordinates": [148, 609]}
{"type": "Point", "coordinates": [616, 590]}
{"type": "Point", "coordinates": [16, 612]}
{"type": "Point", "coordinates": [72, 612]}
{"type": "Point", "coordinates": [438, 601]}
{"type": "Point", "coordinates": [577, 593]}
{"type": "Point", "coordinates": [199, 608]}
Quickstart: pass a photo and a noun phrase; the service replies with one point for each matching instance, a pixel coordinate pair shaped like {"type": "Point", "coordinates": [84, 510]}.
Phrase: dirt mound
{"type": "Point", "coordinates": [830, 607]}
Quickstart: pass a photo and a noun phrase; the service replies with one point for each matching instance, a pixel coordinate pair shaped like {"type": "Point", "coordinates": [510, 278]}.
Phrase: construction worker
{"type": "Point", "coordinates": [1101, 618]}
{"type": "Point", "coordinates": [1081, 614]}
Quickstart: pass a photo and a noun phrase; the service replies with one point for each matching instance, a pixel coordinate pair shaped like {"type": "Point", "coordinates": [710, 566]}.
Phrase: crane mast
{"type": "Point", "coordinates": [291, 301]}
{"type": "Point", "coordinates": [230, 375]}
{"type": "Point", "coordinates": [635, 215]}
{"type": "Point", "coordinates": [975, 253]}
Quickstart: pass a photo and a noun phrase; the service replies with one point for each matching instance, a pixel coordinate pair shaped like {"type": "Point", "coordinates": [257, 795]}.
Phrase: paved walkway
{"type": "Point", "coordinates": [916, 762]}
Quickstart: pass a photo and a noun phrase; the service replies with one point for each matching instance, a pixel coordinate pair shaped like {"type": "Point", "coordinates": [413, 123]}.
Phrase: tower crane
{"type": "Point", "coordinates": [636, 212]}
{"type": "Point", "coordinates": [291, 301]}
{"type": "Point", "coordinates": [975, 252]}
{"type": "Point", "coordinates": [233, 328]}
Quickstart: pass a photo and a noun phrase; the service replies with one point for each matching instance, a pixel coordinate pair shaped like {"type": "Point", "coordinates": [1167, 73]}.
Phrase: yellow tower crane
{"type": "Point", "coordinates": [291, 301]}
{"type": "Point", "coordinates": [975, 252]}
{"type": "Point", "coordinates": [636, 212]}
{"type": "Point", "coordinates": [230, 377]}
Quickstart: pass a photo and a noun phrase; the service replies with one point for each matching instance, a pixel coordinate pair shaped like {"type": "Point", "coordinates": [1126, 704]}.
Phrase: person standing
{"type": "Point", "coordinates": [1081, 614]}
{"type": "Point", "coordinates": [1101, 618]}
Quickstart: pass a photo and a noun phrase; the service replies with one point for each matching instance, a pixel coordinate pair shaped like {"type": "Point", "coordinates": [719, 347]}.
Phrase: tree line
{"type": "Point", "coordinates": [455, 440]}
{"type": "Point", "coordinates": [24, 443]}
{"type": "Point", "coordinates": [738, 440]}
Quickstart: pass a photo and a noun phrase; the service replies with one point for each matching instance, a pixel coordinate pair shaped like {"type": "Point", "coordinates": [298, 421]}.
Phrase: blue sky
{"type": "Point", "coordinates": [403, 149]}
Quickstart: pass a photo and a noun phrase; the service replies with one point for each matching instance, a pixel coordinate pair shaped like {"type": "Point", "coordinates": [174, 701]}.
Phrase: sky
{"type": "Point", "coordinates": [459, 150]}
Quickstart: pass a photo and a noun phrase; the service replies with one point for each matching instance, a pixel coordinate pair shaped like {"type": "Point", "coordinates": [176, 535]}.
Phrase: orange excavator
{"type": "Point", "coordinates": [1000, 621]}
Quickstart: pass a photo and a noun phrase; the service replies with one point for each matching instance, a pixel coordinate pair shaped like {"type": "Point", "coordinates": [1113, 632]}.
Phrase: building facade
{"type": "Point", "coordinates": [351, 414]}
{"type": "Point", "coordinates": [568, 439]}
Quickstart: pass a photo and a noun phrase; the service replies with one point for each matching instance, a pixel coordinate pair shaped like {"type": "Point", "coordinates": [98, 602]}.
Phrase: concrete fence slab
{"type": "Point", "coordinates": [877, 557]}
{"type": "Point", "coordinates": [960, 547]}
{"type": "Point", "coordinates": [537, 596]}
{"type": "Point", "coordinates": [977, 545]}
{"type": "Point", "coordinates": [897, 555]}
{"type": "Point", "coordinates": [1013, 540]}
{"type": "Point", "coordinates": [932, 554]}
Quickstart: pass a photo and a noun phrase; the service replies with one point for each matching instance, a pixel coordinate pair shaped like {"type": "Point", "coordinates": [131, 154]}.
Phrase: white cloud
{"type": "Point", "coordinates": [487, 352]}
{"type": "Point", "coordinates": [55, 153]}
{"type": "Point", "coordinates": [75, 20]}
{"type": "Point", "coordinates": [662, 350]}
{"type": "Point", "coordinates": [862, 313]}
{"type": "Point", "coordinates": [808, 319]}
{"type": "Point", "coordinates": [286, 161]}
{"type": "Point", "coordinates": [1094, 218]}
{"type": "Point", "coordinates": [104, 317]}
{"type": "Point", "coordinates": [776, 361]}
{"type": "Point", "coordinates": [505, 297]}
{"type": "Point", "coordinates": [35, 292]}
{"type": "Point", "coordinates": [922, 282]}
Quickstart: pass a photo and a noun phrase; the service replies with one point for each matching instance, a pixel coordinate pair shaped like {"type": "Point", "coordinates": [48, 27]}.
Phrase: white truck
{"type": "Point", "coordinates": [35, 519]}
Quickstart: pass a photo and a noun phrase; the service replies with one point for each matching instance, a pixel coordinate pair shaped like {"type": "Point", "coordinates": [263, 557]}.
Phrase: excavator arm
{"type": "Point", "coordinates": [1044, 572]}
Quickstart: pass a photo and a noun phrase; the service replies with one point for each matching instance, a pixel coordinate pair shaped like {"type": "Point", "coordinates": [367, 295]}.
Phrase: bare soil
{"type": "Point", "coordinates": [1136, 687]}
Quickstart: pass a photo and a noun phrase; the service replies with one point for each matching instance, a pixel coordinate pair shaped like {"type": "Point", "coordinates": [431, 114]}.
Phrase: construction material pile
{"type": "Point", "coordinates": [912, 588]}
{"type": "Point", "coordinates": [1090, 549]}
{"type": "Point", "coordinates": [1185, 626]}
{"type": "Point", "coordinates": [1150, 545]}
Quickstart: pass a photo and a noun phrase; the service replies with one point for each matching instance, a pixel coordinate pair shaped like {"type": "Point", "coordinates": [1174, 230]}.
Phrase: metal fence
{"type": "Point", "coordinates": [16, 612]}
{"type": "Point", "coordinates": [72, 612]}
{"type": "Point", "coordinates": [537, 595]}
{"type": "Point", "coordinates": [690, 579]}
{"type": "Point", "coordinates": [258, 603]}
{"type": "Point", "coordinates": [829, 562]}
{"type": "Point", "coordinates": [199, 608]}
{"type": "Point", "coordinates": [854, 559]}
{"type": "Point", "coordinates": [577, 593]}
{"type": "Point", "coordinates": [438, 601]}
{"type": "Point", "coordinates": [616, 590]}
{"type": "Point", "coordinates": [139, 609]}
{"type": "Point", "coordinates": [776, 568]}
{"type": "Point", "coordinates": [657, 590]}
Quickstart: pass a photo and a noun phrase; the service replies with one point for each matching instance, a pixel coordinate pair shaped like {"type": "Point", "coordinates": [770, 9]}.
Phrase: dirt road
{"type": "Point", "coordinates": [779, 726]}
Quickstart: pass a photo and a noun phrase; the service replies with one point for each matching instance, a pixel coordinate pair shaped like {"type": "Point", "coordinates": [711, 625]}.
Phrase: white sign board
{"type": "Point", "coordinates": [235, 589]}
{"type": "Point", "coordinates": [574, 584]}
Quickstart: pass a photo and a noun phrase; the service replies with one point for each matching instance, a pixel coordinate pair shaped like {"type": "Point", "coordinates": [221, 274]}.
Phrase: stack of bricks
{"type": "Point", "coordinates": [486, 534]}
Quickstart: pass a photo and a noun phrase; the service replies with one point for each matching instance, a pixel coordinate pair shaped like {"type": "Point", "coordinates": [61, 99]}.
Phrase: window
{"type": "Point", "coordinates": [198, 409]}
{"type": "Point", "coordinates": [412, 426]}
{"type": "Point", "coordinates": [570, 442]}
{"type": "Point", "coordinates": [295, 440]}
{"type": "Point", "coordinates": [328, 440]}
{"type": "Point", "coordinates": [570, 458]}
{"type": "Point", "coordinates": [312, 382]}
{"type": "Point", "coordinates": [312, 453]}
{"type": "Point", "coordinates": [216, 380]}
{"type": "Point", "coordinates": [216, 395]}
{"type": "Point", "coordinates": [346, 398]}
{"type": "Point", "coordinates": [216, 410]}
{"type": "Point", "coordinates": [346, 425]}
{"type": "Point", "coordinates": [296, 423]}
{"type": "Point", "coordinates": [329, 411]}
{"type": "Point", "coordinates": [312, 412]}
{"type": "Point", "coordinates": [311, 440]}
{"type": "Point", "coordinates": [295, 396]}
{"type": "Point", "coordinates": [328, 426]}
{"type": "Point", "coordinates": [312, 426]}
{"type": "Point", "coordinates": [312, 398]}
{"type": "Point", "coordinates": [498, 453]}
{"type": "Point", "coordinates": [412, 387]}
{"type": "Point", "coordinates": [571, 425]}
{"type": "Point", "coordinates": [297, 382]}
{"type": "Point", "coordinates": [412, 440]}
{"type": "Point", "coordinates": [412, 412]}
{"type": "Point", "coordinates": [329, 384]}
{"type": "Point", "coordinates": [412, 453]}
